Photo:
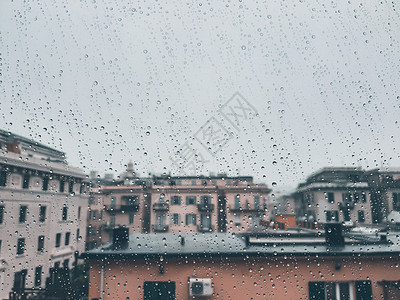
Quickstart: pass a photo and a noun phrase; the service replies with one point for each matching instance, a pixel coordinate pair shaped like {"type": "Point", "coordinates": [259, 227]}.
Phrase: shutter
{"type": "Point", "coordinates": [363, 290]}
{"type": "Point", "coordinates": [187, 219]}
{"type": "Point", "coordinates": [316, 290]}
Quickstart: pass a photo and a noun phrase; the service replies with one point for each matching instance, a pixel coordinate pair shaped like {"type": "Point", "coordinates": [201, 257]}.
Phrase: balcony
{"type": "Point", "coordinates": [122, 208]}
{"type": "Point", "coordinates": [161, 206]}
{"type": "Point", "coordinates": [108, 226]}
{"type": "Point", "coordinates": [247, 209]}
{"type": "Point", "coordinates": [160, 228]}
{"type": "Point", "coordinates": [201, 228]}
{"type": "Point", "coordinates": [205, 207]}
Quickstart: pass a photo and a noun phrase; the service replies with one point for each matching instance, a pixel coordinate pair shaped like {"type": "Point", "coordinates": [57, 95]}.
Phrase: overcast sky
{"type": "Point", "coordinates": [109, 81]}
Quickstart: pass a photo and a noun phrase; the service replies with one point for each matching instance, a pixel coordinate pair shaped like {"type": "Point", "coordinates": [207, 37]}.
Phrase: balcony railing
{"type": "Point", "coordinates": [121, 208]}
{"type": "Point", "coordinates": [205, 207]}
{"type": "Point", "coordinates": [201, 228]}
{"type": "Point", "coordinates": [160, 228]}
{"type": "Point", "coordinates": [108, 226]}
{"type": "Point", "coordinates": [247, 209]}
{"type": "Point", "coordinates": [161, 206]}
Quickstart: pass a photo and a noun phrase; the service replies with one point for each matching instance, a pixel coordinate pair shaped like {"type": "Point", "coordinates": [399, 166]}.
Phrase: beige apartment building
{"type": "Point", "coordinates": [335, 194]}
{"type": "Point", "coordinates": [43, 208]}
{"type": "Point", "coordinates": [176, 205]}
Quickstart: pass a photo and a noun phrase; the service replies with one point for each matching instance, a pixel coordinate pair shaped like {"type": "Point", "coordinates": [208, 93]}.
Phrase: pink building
{"type": "Point", "coordinates": [178, 204]}
{"type": "Point", "coordinates": [284, 265]}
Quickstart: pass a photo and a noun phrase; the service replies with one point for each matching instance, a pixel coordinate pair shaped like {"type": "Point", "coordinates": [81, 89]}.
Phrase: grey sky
{"type": "Point", "coordinates": [110, 81]}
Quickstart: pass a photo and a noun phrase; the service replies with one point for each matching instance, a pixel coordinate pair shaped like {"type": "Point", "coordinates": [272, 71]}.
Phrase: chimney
{"type": "Point", "coordinates": [333, 234]}
{"type": "Point", "coordinates": [13, 145]}
{"type": "Point", "coordinates": [120, 237]}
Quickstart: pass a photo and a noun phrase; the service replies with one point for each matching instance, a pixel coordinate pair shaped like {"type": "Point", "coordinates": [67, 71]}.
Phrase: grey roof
{"type": "Point", "coordinates": [227, 244]}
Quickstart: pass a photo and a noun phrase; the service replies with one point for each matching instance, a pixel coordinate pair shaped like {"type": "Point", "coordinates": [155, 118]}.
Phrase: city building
{"type": "Point", "coordinates": [385, 193]}
{"type": "Point", "coordinates": [43, 208]}
{"type": "Point", "coordinates": [334, 194]}
{"type": "Point", "coordinates": [175, 204]}
{"type": "Point", "coordinates": [280, 265]}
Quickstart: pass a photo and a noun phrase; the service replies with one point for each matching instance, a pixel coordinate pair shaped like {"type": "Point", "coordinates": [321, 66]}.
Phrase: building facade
{"type": "Point", "coordinates": [335, 195]}
{"type": "Point", "coordinates": [43, 207]}
{"type": "Point", "coordinates": [177, 204]}
{"type": "Point", "coordinates": [289, 265]}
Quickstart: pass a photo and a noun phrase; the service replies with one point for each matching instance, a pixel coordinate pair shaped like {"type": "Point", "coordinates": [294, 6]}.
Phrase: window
{"type": "Point", "coordinates": [112, 220]}
{"type": "Point", "coordinates": [40, 247]}
{"type": "Point", "coordinates": [78, 233]}
{"type": "Point", "coordinates": [237, 219]}
{"type": "Point", "coordinates": [66, 263]}
{"type": "Point", "coordinates": [194, 182]}
{"type": "Point", "coordinates": [340, 290]}
{"type": "Point", "coordinates": [64, 215]}
{"type": "Point", "coordinates": [228, 183]}
{"type": "Point", "coordinates": [160, 220]}
{"type": "Point", "coordinates": [205, 222]}
{"type": "Point", "coordinates": [20, 246]}
{"type": "Point", "coordinates": [38, 276]}
{"type": "Point", "coordinates": [159, 290]}
{"type": "Point", "coordinates": [22, 213]}
{"type": "Point", "coordinates": [71, 187]}
{"type": "Point", "coordinates": [257, 202]}
{"type": "Point", "coordinates": [131, 218]}
{"type": "Point", "coordinates": [396, 201]}
{"type": "Point", "coordinates": [190, 200]}
{"type": "Point", "coordinates": [162, 198]}
{"type": "Point", "coordinates": [25, 181]}
{"type": "Point", "coordinates": [113, 202]}
{"type": "Point", "coordinates": [213, 182]}
{"type": "Point", "coordinates": [42, 214]}
{"type": "Point", "coordinates": [1, 214]}
{"type": "Point", "coordinates": [237, 201]}
{"type": "Point", "coordinates": [175, 219]}
{"type": "Point", "coordinates": [361, 217]}
{"type": "Point", "coordinates": [331, 197]}
{"type": "Point", "coordinates": [364, 197]}
{"type": "Point", "coordinates": [176, 200]}
{"type": "Point", "coordinates": [45, 183]}
{"type": "Point", "coordinates": [356, 197]}
{"type": "Point", "coordinates": [62, 186]}
{"type": "Point", "coordinates": [190, 219]}
{"type": "Point", "coordinates": [3, 178]}
{"type": "Point", "coordinates": [205, 201]}
{"type": "Point", "coordinates": [332, 215]}
{"type": "Point", "coordinates": [67, 238]}
{"type": "Point", "coordinates": [58, 240]}
{"type": "Point", "coordinates": [79, 213]}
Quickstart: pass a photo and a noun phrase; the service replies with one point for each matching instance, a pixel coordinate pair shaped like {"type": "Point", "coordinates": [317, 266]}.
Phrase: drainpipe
{"type": "Point", "coordinates": [101, 280]}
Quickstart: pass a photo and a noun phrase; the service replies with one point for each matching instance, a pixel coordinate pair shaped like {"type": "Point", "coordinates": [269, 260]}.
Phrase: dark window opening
{"type": "Point", "coordinates": [22, 213]}
{"type": "Point", "coordinates": [58, 240]}
{"type": "Point", "coordinates": [38, 276]}
{"type": "Point", "coordinates": [25, 183]}
{"type": "Point", "coordinates": [64, 213]}
{"type": "Point", "coordinates": [40, 247]}
{"type": "Point", "coordinates": [1, 214]}
{"type": "Point", "coordinates": [67, 238]}
{"type": "Point", "coordinates": [45, 183]}
{"type": "Point", "coordinates": [21, 246]}
{"type": "Point", "coordinates": [3, 178]}
{"type": "Point", "coordinates": [42, 214]}
{"type": "Point", "coordinates": [62, 186]}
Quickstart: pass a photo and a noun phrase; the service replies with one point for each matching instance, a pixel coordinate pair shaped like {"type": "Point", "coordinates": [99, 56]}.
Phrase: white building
{"type": "Point", "coordinates": [43, 207]}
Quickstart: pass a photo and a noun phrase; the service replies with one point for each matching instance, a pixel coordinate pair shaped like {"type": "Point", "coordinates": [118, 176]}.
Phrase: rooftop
{"type": "Point", "coordinates": [294, 243]}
